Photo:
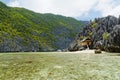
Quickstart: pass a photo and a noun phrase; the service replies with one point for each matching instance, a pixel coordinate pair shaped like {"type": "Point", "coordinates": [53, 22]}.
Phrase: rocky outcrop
{"type": "Point", "coordinates": [114, 39]}
{"type": "Point", "coordinates": [104, 33]}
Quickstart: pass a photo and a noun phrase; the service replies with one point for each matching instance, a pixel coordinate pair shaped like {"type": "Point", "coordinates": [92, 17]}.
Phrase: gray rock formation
{"type": "Point", "coordinates": [104, 33]}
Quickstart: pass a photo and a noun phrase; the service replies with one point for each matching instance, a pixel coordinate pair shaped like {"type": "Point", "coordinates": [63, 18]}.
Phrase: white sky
{"type": "Point", "coordinates": [72, 8]}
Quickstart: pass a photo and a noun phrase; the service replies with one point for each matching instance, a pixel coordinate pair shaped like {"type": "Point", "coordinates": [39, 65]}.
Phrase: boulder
{"type": "Point", "coordinates": [98, 51]}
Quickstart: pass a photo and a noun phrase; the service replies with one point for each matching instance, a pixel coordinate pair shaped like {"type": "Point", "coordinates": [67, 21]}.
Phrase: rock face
{"type": "Point", "coordinates": [114, 39]}
{"type": "Point", "coordinates": [104, 33]}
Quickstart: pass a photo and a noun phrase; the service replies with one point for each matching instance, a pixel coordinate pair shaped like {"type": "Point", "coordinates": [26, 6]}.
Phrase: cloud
{"type": "Point", "coordinates": [108, 7]}
{"type": "Point", "coordinates": [63, 7]}
{"type": "Point", "coordinates": [73, 8]}
{"type": "Point", "coordinates": [14, 4]}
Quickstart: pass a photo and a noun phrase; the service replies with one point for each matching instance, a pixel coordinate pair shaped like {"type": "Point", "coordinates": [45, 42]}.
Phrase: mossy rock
{"type": "Point", "coordinates": [98, 51]}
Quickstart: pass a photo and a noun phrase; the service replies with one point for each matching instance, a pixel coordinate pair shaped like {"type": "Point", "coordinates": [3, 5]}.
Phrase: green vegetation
{"type": "Point", "coordinates": [81, 38]}
{"type": "Point", "coordinates": [59, 66]}
{"type": "Point", "coordinates": [90, 34]}
{"type": "Point", "coordinates": [94, 24]}
{"type": "Point", "coordinates": [25, 28]}
{"type": "Point", "coordinates": [106, 36]}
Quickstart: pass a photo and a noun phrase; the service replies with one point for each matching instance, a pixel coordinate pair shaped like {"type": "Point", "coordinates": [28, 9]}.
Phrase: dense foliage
{"type": "Point", "coordinates": [25, 30]}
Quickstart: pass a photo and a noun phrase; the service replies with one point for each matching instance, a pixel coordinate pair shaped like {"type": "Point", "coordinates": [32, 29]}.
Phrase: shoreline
{"type": "Point", "coordinates": [84, 51]}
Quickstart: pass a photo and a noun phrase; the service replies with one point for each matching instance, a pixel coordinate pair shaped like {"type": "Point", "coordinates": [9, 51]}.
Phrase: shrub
{"type": "Point", "coordinates": [90, 34]}
{"type": "Point", "coordinates": [81, 37]}
{"type": "Point", "coordinates": [94, 25]}
{"type": "Point", "coordinates": [106, 36]}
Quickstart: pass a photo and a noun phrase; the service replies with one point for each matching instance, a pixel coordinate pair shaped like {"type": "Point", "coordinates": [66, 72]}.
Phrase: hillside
{"type": "Point", "coordinates": [25, 30]}
{"type": "Point", "coordinates": [104, 33]}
